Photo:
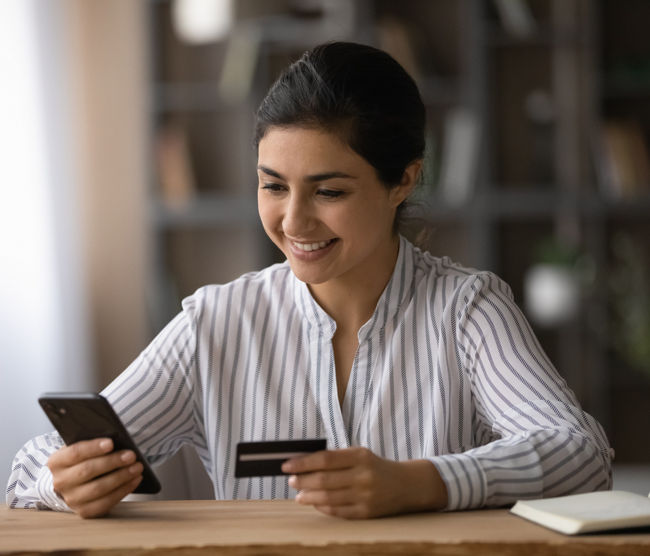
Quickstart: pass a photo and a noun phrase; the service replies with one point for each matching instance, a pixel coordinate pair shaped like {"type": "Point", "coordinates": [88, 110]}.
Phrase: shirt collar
{"type": "Point", "coordinates": [397, 289]}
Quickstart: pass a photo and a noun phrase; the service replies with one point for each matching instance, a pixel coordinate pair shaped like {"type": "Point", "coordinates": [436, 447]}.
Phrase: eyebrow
{"type": "Point", "coordinates": [311, 178]}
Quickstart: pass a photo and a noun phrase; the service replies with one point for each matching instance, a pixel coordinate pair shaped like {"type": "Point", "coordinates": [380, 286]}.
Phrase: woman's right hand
{"type": "Point", "coordinates": [91, 478]}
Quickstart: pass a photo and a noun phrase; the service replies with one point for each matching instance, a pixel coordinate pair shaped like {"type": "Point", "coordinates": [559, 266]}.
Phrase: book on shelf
{"type": "Point", "coordinates": [175, 172]}
{"type": "Point", "coordinates": [516, 17]}
{"type": "Point", "coordinates": [238, 71]}
{"type": "Point", "coordinates": [623, 159]}
{"type": "Point", "coordinates": [430, 165]}
{"type": "Point", "coordinates": [459, 156]}
{"type": "Point", "coordinates": [587, 513]}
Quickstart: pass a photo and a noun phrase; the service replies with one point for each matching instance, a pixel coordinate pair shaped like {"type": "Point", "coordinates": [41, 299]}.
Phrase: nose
{"type": "Point", "coordinates": [298, 218]}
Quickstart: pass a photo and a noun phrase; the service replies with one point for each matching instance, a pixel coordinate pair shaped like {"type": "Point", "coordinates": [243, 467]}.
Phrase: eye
{"type": "Point", "coordinates": [329, 193]}
{"type": "Point", "coordinates": [273, 187]}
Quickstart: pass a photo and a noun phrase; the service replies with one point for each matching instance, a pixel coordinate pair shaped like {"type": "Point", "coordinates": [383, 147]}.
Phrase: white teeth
{"type": "Point", "coordinates": [312, 246]}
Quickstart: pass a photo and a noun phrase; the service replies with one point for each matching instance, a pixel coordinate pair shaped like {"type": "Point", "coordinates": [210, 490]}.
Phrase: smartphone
{"type": "Point", "coordinates": [84, 416]}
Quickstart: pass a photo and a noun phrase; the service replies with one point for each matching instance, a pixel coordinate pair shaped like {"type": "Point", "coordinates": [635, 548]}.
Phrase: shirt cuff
{"type": "Point", "coordinates": [49, 498]}
{"type": "Point", "coordinates": [464, 479]}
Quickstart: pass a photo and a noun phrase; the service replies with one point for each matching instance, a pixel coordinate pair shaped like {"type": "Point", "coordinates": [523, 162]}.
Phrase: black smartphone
{"type": "Point", "coordinates": [86, 415]}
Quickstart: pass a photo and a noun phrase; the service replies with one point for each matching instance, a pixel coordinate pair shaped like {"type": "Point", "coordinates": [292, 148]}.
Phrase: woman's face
{"type": "Point", "coordinates": [324, 206]}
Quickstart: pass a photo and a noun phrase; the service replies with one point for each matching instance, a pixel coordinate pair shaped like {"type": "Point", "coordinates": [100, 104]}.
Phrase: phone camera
{"type": "Point", "coordinates": [62, 411]}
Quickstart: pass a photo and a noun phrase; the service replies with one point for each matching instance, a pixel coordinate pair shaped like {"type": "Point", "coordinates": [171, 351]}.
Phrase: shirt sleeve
{"type": "Point", "coordinates": [30, 480]}
{"type": "Point", "coordinates": [156, 399]}
{"type": "Point", "coordinates": [541, 443]}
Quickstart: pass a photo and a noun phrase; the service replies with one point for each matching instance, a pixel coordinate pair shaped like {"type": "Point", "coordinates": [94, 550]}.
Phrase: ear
{"type": "Point", "coordinates": [409, 180]}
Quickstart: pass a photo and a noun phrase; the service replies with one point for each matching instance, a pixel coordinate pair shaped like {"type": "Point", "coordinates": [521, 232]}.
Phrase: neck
{"type": "Point", "coordinates": [351, 299]}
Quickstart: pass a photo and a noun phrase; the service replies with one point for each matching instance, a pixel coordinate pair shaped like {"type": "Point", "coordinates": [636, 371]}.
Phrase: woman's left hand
{"type": "Point", "coordinates": [354, 483]}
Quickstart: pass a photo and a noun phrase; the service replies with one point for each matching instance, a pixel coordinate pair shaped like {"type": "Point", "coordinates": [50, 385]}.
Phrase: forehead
{"type": "Point", "coordinates": [306, 149]}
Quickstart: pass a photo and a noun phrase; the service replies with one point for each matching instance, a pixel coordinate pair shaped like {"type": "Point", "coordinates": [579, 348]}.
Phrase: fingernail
{"type": "Point", "coordinates": [106, 444]}
{"type": "Point", "coordinates": [287, 467]}
{"type": "Point", "coordinates": [292, 481]}
{"type": "Point", "coordinates": [127, 457]}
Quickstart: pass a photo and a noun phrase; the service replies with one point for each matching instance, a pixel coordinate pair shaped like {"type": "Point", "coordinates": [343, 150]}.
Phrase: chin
{"type": "Point", "coordinates": [307, 277]}
{"type": "Point", "coordinates": [307, 273]}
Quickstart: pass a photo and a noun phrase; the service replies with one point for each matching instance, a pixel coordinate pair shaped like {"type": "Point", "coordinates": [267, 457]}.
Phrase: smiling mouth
{"type": "Point", "coordinates": [315, 246]}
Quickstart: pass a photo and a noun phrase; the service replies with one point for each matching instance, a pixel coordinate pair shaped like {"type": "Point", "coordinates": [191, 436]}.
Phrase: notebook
{"type": "Point", "coordinates": [586, 513]}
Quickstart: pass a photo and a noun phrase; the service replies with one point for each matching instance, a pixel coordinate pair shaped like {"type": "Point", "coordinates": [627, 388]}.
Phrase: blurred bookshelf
{"type": "Point", "coordinates": [538, 131]}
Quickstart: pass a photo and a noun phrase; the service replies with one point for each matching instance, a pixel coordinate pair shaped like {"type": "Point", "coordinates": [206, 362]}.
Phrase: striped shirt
{"type": "Point", "coordinates": [447, 369]}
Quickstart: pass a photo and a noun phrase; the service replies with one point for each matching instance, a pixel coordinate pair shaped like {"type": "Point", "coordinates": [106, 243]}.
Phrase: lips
{"type": "Point", "coordinates": [311, 246]}
{"type": "Point", "coordinates": [311, 251]}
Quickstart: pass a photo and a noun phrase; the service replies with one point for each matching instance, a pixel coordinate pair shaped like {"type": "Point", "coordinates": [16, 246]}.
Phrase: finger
{"type": "Point", "coordinates": [332, 498]}
{"type": "Point", "coordinates": [325, 459]}
{"type": "Point", "coordinates": [322, 480]}
{"type": "Point", "coordinates": [101, 487]}
{"type": "Point", "coordinates": [351, 511]}
{"type": "Point", "coordinates": [80, 451]}
{"type": "Point", "coordinates": [65, 478]}
{"type": "Point", "coordinates": [102, 506]}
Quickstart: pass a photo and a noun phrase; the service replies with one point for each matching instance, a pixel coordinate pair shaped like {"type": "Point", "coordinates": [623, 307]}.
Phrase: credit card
{"type": "Point", "coordinates": [259, 459]}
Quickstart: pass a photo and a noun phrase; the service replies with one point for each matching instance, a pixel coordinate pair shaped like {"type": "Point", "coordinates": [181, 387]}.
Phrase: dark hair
{"type": "Point", "coordinates": [358, 92]}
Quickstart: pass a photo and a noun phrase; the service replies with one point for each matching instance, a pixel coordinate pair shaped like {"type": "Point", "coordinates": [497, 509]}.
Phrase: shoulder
{"type": "Point", "coordinates": [452, 282]}
{"type": "Point", "coordinates": [250, 286]}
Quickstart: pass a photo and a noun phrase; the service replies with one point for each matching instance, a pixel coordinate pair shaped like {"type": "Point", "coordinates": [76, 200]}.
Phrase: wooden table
{"type": "Point", "coordinates": [275, 528]}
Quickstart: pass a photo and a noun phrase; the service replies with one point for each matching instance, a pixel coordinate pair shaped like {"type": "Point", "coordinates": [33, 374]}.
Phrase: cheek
{"type": "Point", "coordinates": [266, 213]}
{"type": "Point", "coordinates": [367, 217]}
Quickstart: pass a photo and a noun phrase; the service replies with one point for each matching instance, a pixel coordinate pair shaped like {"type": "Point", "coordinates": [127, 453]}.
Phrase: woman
{"type": "Point", "coordinates": [423, 375]}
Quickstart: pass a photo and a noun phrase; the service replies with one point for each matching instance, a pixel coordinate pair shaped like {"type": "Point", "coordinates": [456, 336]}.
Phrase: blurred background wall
{"type": "Point", "coordinates": [73, 232]}
{"type": "Point", "coordinates": [129, 176]}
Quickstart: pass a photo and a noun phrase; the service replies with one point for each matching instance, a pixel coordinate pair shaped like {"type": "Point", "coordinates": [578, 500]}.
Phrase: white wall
{"type": "Point", "coordinates": [43, 340]}
{"type": "Point", "coordinates": [73, 206]}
